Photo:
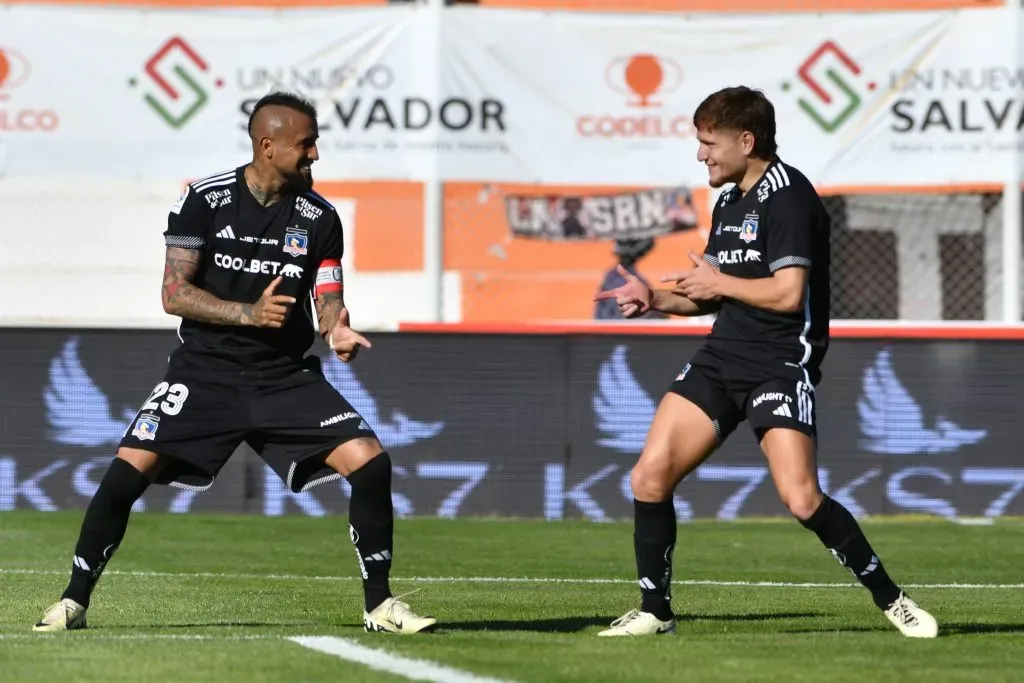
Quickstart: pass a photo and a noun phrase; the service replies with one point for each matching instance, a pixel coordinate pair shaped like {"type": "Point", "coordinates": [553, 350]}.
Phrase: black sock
{"type": "Point", "coordinates": [103, 528]}
{"type": "Point", "coordinates": [841, 534]}
{"type": "Point", "coordinates": [372, 526]}
{"type": "Point", "coordinates": [654, 539]}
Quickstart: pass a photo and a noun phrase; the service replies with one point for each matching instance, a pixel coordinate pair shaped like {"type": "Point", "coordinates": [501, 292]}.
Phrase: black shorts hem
{"type": "Point", "coordinates": [187, 487]}
{"type": "Point", "coordinates": [760, 429]}
{"type": "Point", "coordinates": [309, 469]}
{"type": "Point", "coordinates": [184, 473]}
{"type": "Point", "coordinates": [311, 482]}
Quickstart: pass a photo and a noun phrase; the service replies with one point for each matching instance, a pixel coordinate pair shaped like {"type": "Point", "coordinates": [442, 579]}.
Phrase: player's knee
{"type": "Point", "coordinates": [355, 454]}
{"type": "Point", "coordinates": [802, 501]}
{"type": "Point", "coordinates": [650, 481]}
{"type": "Point", "coordinates": [372, 475]}
{"type": "Point", "coordinates": [146, 462]}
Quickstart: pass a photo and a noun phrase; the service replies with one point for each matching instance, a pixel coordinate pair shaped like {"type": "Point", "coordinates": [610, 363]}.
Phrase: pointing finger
{"type": "Point", "coordinates": [269, 291]}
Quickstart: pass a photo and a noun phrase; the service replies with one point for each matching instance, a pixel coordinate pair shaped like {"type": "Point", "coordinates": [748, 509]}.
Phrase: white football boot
{"type": "Point", "coordinates": [66, 615]}
{"type": "Point", "coordinates": [637, 623]}
{"type": "Point", "coordinates": [394, 616]}
{"type": "Point", "coordinates": [911, 620]}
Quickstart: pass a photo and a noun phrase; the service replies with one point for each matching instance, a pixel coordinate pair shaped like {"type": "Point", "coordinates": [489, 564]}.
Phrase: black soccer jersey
{"type": "Point", "coordinates": [245, 246]}
{"type": "Point", "coordinates": [781, 222]}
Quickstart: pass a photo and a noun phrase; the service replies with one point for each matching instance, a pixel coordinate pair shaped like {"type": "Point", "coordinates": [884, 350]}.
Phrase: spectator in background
{"type": "Point", "coordinates": [629, 252]}
{"type": "Point", "coordinates": [572, 224]}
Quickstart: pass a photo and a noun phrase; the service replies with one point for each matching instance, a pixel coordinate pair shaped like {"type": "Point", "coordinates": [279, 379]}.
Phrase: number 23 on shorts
{"type": "Point", "coordinates": [177, 394]}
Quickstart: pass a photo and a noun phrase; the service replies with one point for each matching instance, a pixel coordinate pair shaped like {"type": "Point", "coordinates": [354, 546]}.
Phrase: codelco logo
{"type": "Point", "coordinates": [14, 71]}
{"type": "Point", "coordinates": [178, 72]}
{"type": "Point", "coordinates": [643, 80]}
{"type": "Point", "coordinates": [833, 80]}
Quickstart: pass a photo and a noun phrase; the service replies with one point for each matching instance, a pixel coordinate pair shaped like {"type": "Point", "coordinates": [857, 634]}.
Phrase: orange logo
{"type": "Point", "coordinates": [641, 77]}
{"type": "Point", "coordinates": [14, 70]}
{"type": "Point", "coordinates": [643, 80]}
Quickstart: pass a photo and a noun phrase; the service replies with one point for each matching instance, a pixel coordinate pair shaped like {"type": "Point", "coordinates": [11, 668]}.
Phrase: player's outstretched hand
{"type": "Point", "coordinates": [700, 283]}
{"type": "Point", "coordinates": [272, 309]}
{"type": "Point", "coordinates": [634, 298]}
{"type": "Point", "coordinates": [345, 342]}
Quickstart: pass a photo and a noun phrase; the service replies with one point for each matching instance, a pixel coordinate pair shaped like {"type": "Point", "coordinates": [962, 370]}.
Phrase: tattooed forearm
{"type": "Point", "coordinates": [196, 304]}
{"type": "Point", "coordinates": [330, 308]}
{"type": "Point", "coordinates": [183, 299]}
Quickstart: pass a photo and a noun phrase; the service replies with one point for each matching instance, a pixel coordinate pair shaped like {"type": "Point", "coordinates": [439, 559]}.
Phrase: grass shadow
{"type": "Point", "coordinates": [576, 624]}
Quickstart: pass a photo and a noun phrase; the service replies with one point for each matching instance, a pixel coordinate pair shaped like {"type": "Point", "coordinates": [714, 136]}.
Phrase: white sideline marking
{"type": "Point", "coordinates": [414, 669]}
{"type": "Point", "coordinates": [511, 579]}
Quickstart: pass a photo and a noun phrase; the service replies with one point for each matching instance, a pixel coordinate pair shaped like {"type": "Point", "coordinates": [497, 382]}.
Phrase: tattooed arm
{"type": "Point", "coordinates": [335, 329]}
{"type": "Point", "coordinates": [330, 310]}
{"type": "Point", "coordinates": [183, 299]}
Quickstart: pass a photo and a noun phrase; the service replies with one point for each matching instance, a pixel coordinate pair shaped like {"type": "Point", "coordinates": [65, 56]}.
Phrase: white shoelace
{"type": "Point", "coordinates": [904, 613]}
{"type": "Point", "coordinates": [629, 616]}
{"type": "Point", "coordinates": [397, 602]}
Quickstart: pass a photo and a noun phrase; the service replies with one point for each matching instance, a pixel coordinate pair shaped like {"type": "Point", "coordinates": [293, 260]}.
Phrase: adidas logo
{"type": "Point", "coordinates": [872, 566]}
{"type": "Point", "coordinates": [227, 233]}
{"type": "Point", "coordinates": [364, 427]}
{"type": "Point", "coordinates": [783, 411]}
{"type": "Point", "coordinates": [378, 557]}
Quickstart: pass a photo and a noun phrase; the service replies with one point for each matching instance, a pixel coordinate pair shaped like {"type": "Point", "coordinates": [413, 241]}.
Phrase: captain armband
{"type": "Point", "coordinates": [328, 277]}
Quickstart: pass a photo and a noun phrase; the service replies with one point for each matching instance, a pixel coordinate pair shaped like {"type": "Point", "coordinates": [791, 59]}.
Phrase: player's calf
{"type": "Point", "coordinates": [372, 527]}
{"type": "Point", "coordinates": [103, 528]}
{"type": "Point", "coordinates": [790, 453]}
{"type": "Point", "coordinates": [680, 438]}
{"type": "Point", "coordinates": [654, 541]}
{"type": "Point", "coordinates": [654, 534]}
{"type": "Point", "coordinates": [839, 531]}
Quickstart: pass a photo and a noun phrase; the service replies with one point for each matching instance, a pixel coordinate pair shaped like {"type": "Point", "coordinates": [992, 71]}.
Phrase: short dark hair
{"type": "Point", "coordinates": [283, 99]}
{"type": "Point", "coordinates": [741, 109]}
{"type": "Point", "coordinates": [634, 249]}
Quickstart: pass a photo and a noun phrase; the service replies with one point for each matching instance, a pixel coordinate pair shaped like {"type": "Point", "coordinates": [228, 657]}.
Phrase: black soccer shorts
{"type": "Point", "coordinates": [293, 423]}
{"type": "Point", "coordinates": [729, 396]}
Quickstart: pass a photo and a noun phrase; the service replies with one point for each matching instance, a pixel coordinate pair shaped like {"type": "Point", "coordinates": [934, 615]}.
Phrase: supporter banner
{"type": "Point", "coordinates": [541, 426]}
{"type": "Point", "coordinates": [911, 98]}
{"type": "Point", "coordinates": [625, 215]}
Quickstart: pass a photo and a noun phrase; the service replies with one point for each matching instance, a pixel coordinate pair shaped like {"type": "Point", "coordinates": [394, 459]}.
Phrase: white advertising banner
{"type": "Point", "coordinates": [166, 94]}
{"type": "Point", "coordinates": [866, 99]}
{"type": "Point", "coordinates": [861, 99]}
